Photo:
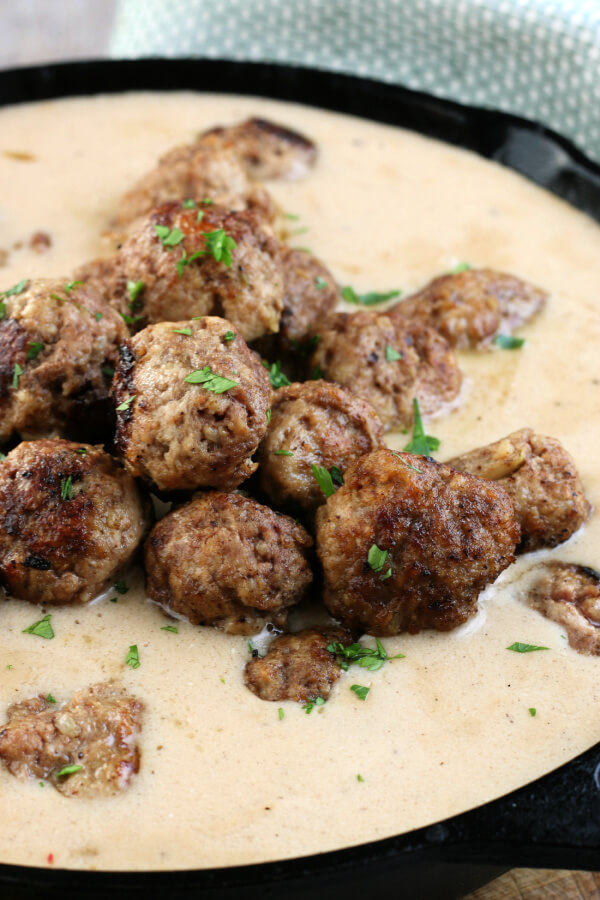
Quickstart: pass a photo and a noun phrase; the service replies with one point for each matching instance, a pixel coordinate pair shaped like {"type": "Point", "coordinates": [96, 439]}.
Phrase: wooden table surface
{"type": "Point", "coordinates": [36, 31]}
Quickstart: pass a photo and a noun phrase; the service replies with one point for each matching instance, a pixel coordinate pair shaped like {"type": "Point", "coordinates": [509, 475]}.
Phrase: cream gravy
{"type": "Point", "coordinates": [224, 780]}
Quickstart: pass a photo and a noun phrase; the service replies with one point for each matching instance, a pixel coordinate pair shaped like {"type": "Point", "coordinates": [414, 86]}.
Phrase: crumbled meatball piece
{"type": "Point", "coordinates": [469, 308]}
{"type": "Point", "coordinates": [249, 292]}
{"type": "Point", "coordinates": [570, 595]}
{"type": "Point", "coordinates": [96, 730]}
{"type": "Point", "coordinates": [178, 435]}
{"type": "Point", "coordinates": [358, 350]}
{"type": "Point", "coordinates": [320, 424]}
{"type": "Point", "coordinates": [443, 537]}
{"type": "Point", "coordinates": [296, 666]}
{"type": "Point", "coordinates": [71, 520]}
{"type": "Point", "coordinates": [265, 150]}
{"type": "Point", "coordinates": [542, 481]}
{"type": "Point", "coordinates": [228, 561]}
{"type": "Point", "coordinates": [40, 241]}
{"type": "Point", "coordinates": [57, 351]}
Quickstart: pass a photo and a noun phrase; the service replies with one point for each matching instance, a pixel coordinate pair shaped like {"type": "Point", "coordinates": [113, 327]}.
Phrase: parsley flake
{"type": "Point", "coordinates": [134, 289]}
{"type": "Point", "coordinates": [130, 320]}
{"type": "Point", "coordinates": [69, 770]}
{"type": "Point", "coordinates": [169, 237]}
{"type": "Point", "coordinates": [207, 201]}
{"type": "Point", "coordinates": [81, 451]}
{"type": "Point", "coordinates": [292, 216]}
{"type": "Point", "coordinates": [392, 355]}
{"type": "Point", "coordinates": [281, 713]}
{"type": "Point", "coordinates": [2, 310]}
{"type": "Point", "coordinates": [360, 690]}
{"type": "Point", "coordinates": [210, 380]}
{"type": "Point", "coordinates": [66, 488]}
{"type": "Point", "coordinates": [519, 647]}
{"type": "Point", "coordinates": [126, 403]}
{"type": "Point", "coordinates": [324, 479]}
{"type": "Point", "coordinates": [371, 658]}
{"type": "Point", "coordinates": [309, 706]}
{"type": "Point", "coordinates": [35, 347]}
{"type": "Point", "coordinates": [108, 371]}
{"type": "Point", "coordinates": [16, 288]}
{"type": "Point", "coordinates": [229, 336]}
{"type": "Point", "coordinates": [407, 464]}
{"type": "Point", "coordinates": [71, 285]}
{"type": "Point", "coordinates": [532, 711]}
{"type": "Point", "coordinates": [98, 316]}
{"type": "Point", "coordinates": [277, 377]}
{"type": "Point", "coordinates": [268, 417]}
{"type": "Point", "coordinates": [336, 474]}
{"type": "Point", "coordinates": [50, 699]}
{"type": "Point", "coordinates": [421, 444]}
{"type": "Point", "coordinates": [219, 245]}
{"type": "Point", "coordinates": [369, 299]}
{"type": "Point", "coordinates": [320, 283]}
{"type": "Point", "coordinates": [508, 342]}
{"type": "Point", "coordinates": [377, 558]}
{"type": "Point", "coordinates": [461, 267]}
{"type": "Point", "coordinates": [186, 331]}
{"type": "Point", "coordinates": [133, 657]}
{"type": "Point", "coordinates": [186, 260]}
{"type": "Point", "coordinates": [121, 587]}
{"type": "Point", "coordinates": [17, 372]}
{"type": "Point", "coordinates": [172, 628]}
{"type": "Point", "coordinates": [283, 452]}
{"type": "Point", "coordinates": [42, 628]}
{"type": "Point", "coordinates": [189, 203]}
{"type": "Point", "coordinates": [359, 778]}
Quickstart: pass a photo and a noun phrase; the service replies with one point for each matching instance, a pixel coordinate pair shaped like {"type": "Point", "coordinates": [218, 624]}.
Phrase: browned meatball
{"type": "Point", "coordinates": [469, 308]}
{"type": "Point", "coordinates": [542, 481]}
{"type": "Point", "coordinates": [296, 666]}
{"type": "Point", "coordinates": [58, 346]}
{"type": "Point", "coordinates": [70, 521]}
{"type": "Point", "coordinates": [227, 561]}
{"type": "Point", "coordinates": [570, 595]}
{"type": "Point", "coordinates": [359, 350]}
{"type": "Point", "coordinates": [265, 150]}
{"type": "Point", "coordinates": [407, 543]}
{"type": "Point", "coordinates": [314, 423]}
{"type": "Point", "coordinates": [181, 434]}
{"type": "Point", "coordinates": [149, 280]}
{"type": "Point", "coordinates": [96, 730]}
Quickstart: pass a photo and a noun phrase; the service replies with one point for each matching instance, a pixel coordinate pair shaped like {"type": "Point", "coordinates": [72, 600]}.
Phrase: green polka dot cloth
{"type": "Point", "coordinates": [536, 58]}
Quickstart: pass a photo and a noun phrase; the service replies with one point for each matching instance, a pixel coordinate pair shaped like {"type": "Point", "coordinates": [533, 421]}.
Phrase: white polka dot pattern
{"type": "Point", "coordinates": [536, 58]}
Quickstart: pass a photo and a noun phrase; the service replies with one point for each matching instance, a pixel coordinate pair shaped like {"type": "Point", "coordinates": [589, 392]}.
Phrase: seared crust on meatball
{"type": "Point", "coordinates": [542, 481]}
{"type": "Point", "coordinates": [570, 595]}
{"type": "Point", "coordinates": [311, 293]}
{"type": "Point", "coordinates": [71, 519]}
{"type": "Point", "coordinates": [320, 424]}
{"type": "Point", "coordinates": [249, 291]}
{"type": "Point", "coordinates": [443, 537]}
{"type": "Point", "coordinates": [57, 351]}
{"type": "Point", "coordinates": [296, 666]}
{"type": "Point", "coordinates": [96, 730]}
{"type": "Point", "coordinates": [469, 308]}
{"type": "Point", "coordinates": [181, 435]}
{"type": "Point", "coordinates": [265, 150]}
{"type": "Point", "coordinates": [227, 561]}
{"type": "Point", "coordinates": [358, 350]}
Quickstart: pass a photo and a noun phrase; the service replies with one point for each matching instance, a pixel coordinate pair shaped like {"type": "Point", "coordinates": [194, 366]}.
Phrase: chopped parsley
{"type": "Point", "coordinates": [324, 479]}
{"type": "Point", "coordinates": [172, 628]}
{"type": "Point", "coordinates": [130, 320]}
{"type": "Point", "coordinates": [336, 474]}
{"type": "Point", "coordinates": [133, 657]}
{"type": "Point", "coordinates": [407, 464]}
{"type": "Point", "coordinates": [371, 658]}
{"type": "Point", "coordinates": [292, 216]}
{"type": "Point", "coordinates": [16, 288]}
{"type": "Point", "coordinates": [283, 452]}
{"type": "Point", "coordinates": [308, 707]}
{"type": "Point", "coordinates": [66, 488]}
{"type": "Point", "coordinates": [229, 336]}
{"type": "Point", "coordinates": [392, 355]}
{"type": "Point", "coordinates": [69, 770]}
{"type": "Point", "coordinates": [277, 377]}
{"type": "Point", "coordinates": [377, 559]}
{"type": "Point", "coordinates": [518, 647]}
{"type": "Point", "coordinates": [268, 417]}
{"type": "Point", "coordinates": [17, 372]}
{"type": "Point", "coordinates": [121, 587]}
{"type": "Point", "coordinates": [360, 690]}
{"type": "Point", "coordinates": [134, 289]}
{"type": "Point", "coordinates": [186, 331]}
{"type": "Point", "coordinates": [532, 711]}
{"type": "Point", "coordinates": [220, 245]}
{"type": "Point", "coordinates": [108, 371]}
{"type": "Point", "coordinates": [186, 260]}
{"type": "Point", "coordinates": [200, 215]}
{"type": "Point", "coordinates": [42, 628]}
{"type": "Point", "coordinates": [359, 778]}
{"type": "Point", "coordinates": [189, 203]}
{"type": "Point", "coordinates": [81, 451]}
{"type": "Point", "coordinates": [281, 713]}
{"type": "Point", "coordinates": [71, 285]}
{"type": "Point", "coordinates": [316, 373]}
{"type": "Point", "coordinates": [421, 444]}
{"type": "Point", "coordinates": [207, 201]}
{"type": "Point", "coordinates": [369, 299]}
{"type": "Point", "coordinates": [508, 342]}
{"type": "Point", "coordinates": [35, 347]}
{"type": "Point", "coordinates": [461, 267]}
{"type": "Point", "coordinates": [210, 380]}
{"type": "Point", "coordinates": [126, 403]}
{"type": "Point", "coordinates": [169, 237]}
{"type": "Point", "coordinates": [50, 699]}
{"type": "Point", "coordinates": [98, 316]}
{"type": "Point", "coordinates": [320, 283]}
{"type": "Point", "coordinates": [2, 310]}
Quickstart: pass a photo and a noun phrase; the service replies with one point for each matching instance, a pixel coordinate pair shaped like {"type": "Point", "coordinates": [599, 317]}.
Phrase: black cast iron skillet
{"type": "Point", "coordinates": [553, 822]}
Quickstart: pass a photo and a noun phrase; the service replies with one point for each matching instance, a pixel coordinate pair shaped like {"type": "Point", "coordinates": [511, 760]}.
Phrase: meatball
{"type": "Point", "coordinates": [96, 732]}
{"type": "Point", "coordinates": [228, 561]}
{"type": "Point", "coordinates": [192, 403]}
{"type": "Point", "coordinates": [542, 481]}
{"type": "Point", "coordinates": [570, 595]}
{"type": "Point", "coordinates": [296, 666]}
{"type": "Point", "coordinates": [71, 521]}
{"type": "Point", "coordinates": [468, 308]}
{"type": "Point", "coordinates": [316, 423]}
{"type": "Point", "coordinates": [58, 346]}
{"type": "Point", "coordinates": [175, 267]}
{"type": "Point", "coordinates": [407, 543]}
{"type": "Point", "coordinates": [388, 362]}
{"type": "Point", "coordinates": [265, 150]}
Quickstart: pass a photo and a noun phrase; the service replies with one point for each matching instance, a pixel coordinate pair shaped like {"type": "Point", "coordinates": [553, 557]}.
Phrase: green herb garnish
{"type": "Point", "coordinates": [421, 444]}
{"type": "Point", "coordinates": [268, 417]}
{"type": "Point", "coordinates": [220, 245]}
{"type": "Point", "coordinates": [69, 770]}
{"type": "Point", "coordinates": [369, 299]}
{"type": "Point", "coordinates": [71, 285]}
{"type": "Point", "coordinates": [210, 380]}
{"type": "Point", "coordinates": [169, 237]}
{"type": "Point", "coordinates": [189, 203]}
{"type": "Point", "coordinates": [186, 331]}
{"type": "Point", "coordinates": [121, 587]}
{"type": "Point", "coordinates": [508, 342]}
{"type": "Point", "coordinates": [172, 628]}
{"type": "Point", "coordinates": [35, 347]}
{"type": "Point", "coordinates": [66, 488]}
{"type": "Point", "coordinates": [371, 658]}
{"type": "Point", "coordinates": [377, 558]}
{"type": "Point", "coordinates": [324, 479]}
{"type": "Point", "coordinates": [280, 713]}
{"type": "Point", "coordinates": [134, 289]}
{"type": "Point", "coordinates": [108, 371]}
{"type": "Point", "coordinates": [126, 403]}
{"type": "Point", "coordinates": [308, 707]}
{"type": "Point", "coordinates": [2, 310]}
{"type": "Point", "coordinates": [359, 778]}
{"type": "Point", "coordinates": [532, 711]}
{"type": "Point", "coordinates": [133, 657]}
{"type": "Point", "coordinates": [407, 464]}
{"type": "Point", "coordinates": [320, 283]}
{"type": "Point", "coordinates": [17, 372]}
{"type": "Point", "coordinates": [461, 267]}
{"type": "Point", "coordinates": [229, 336]}
{"type": "Point", "coordinates": [283, 452]}
{"type": "Point", "coordinates": [130, 320]}
{"type": "Point", "coordinates": [42, 628]}
{"type": "Point", "coordinates": [98, 316]}
{"type": "Point", "coordinates": [16, 289]}
{"type": "Point", "coordinates": [518, 647]}
{"type": "Point", "coordinates": [50, 699]}
{"type": "Point", "coordinates": [277, 377]}
{"type": "Point", "coordinates": [360, 690]}
{"type": "Point", "coordinates": [392, 355]}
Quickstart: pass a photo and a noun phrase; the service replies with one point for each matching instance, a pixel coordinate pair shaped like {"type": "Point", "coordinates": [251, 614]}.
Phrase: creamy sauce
{"type": "Point", "coordinates": [223, 780]}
